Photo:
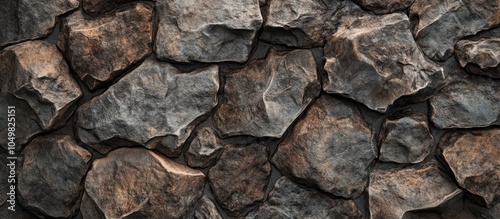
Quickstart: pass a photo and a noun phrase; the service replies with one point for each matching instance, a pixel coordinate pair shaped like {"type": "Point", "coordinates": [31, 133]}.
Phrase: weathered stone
{"type": "Point", "coordinates": [214, 31]}
{"type": "Point", "coordinates": [265, 97]}
{"type": "Point", "coordinates": [330, 148]}
{"type": "Point", "coordinates": [480, 57]}
{"type": "Point", "coordinates": [204, 148]}
{"type": "Point", "coordinates": [36, 80]}
{"type": "Point", "coordinates": [155, 105]}
{"type": "Point", "coordinates": [397, 192]}
{"type": "Point", "coordinates": [438, 25]}
{"type": "Point", "coordinates": [405, 138]}
{"type": "Point", "coordinates": [100, 49]}
{"type": "Point", "coordinates": [138, 183]}
{"type": "Point", "coordinates": [50, 175]}
{"type": "Point", "coordinates": [19, 213]}
{"type": "Point", "coordinates": [24, 19]}
{"type": "Point", "coordinates": [385, 6]}
{"type": "Point", "coordinates": [240, 176]}
{"type": "Point", "coordinates": [204, 209]}
{"type": "Point", "coordinates": [374, 60]}
{"type": "Point", "coordinates": [100, 7]}
{"type": "Point", "coordinates": [473, 157]}
{"type": "Point", "coordinates": [289, 200]}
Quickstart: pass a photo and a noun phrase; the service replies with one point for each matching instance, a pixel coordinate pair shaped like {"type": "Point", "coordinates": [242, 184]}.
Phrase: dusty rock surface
{"type": "Point", "coordinates": [204, 149]}
{"type": "Point", "coordinates": [385, 6]}
{"type": "Point", "coordinates": [205, 209]}
{"type": "Point", "coordinates": [480, 57]}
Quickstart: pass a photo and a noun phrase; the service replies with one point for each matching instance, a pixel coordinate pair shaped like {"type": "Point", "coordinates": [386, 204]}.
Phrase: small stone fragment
{"type": "Point", "coordinates": [265, 97]}
{"type": "Point", "coordinates": [385, 6]}
{"type": "Point", "coordinates": [480, 57]}
{"type": "Point", "coordinates": [239, 178]}
{"type": "Point", "coordinates": [205, 209]}
{"type": "Point", "coordinates": [330, 148]}
{"type": "Point", "coordinates": [100, 7]}
{"type": "Point", "coordinates": [204, 149]}
{"type": "Point", "coordinates": [50, 176]}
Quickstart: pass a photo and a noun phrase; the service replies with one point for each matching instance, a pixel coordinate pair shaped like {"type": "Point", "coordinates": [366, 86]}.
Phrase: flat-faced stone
{"type": "Point", "coordinates": [205, 209]}
{"type": "Point", "coordinates": [385, 6]}
{"type": "Point", "coordinates": [480, 57]}
{"type": "Point", "coordinates": [204, 148]}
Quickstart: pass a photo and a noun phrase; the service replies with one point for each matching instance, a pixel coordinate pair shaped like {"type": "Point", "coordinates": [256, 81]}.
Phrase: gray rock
{"type": "Point", "coordinates": [4, 184]}
{"type": "Point", "coordinates": [205, 209]}
{"type": "Point", "coordinates": [204, 149]}
{"type": "Point", "coordinates": [100, 49]}
{"type": "Point", "coordinates": [472, 156]}
{"type": "Point", "coordinates": [19, 213]}
{"type": "Point", "coordinates": [405, 138]}
{"type": "Point", "coordinates": [36, 80]}
{"type": "Point", "coordinates": [138, 183]}
{"type": "Point", "coordinates": [438, 25]}
{"type": "Point", "coordinates": [50, 176]}
{"type": "Point", "coordinates": [374, 60]}
{"type": "Point", "coordinates": [330, 148]}
{"type": "Point", "coordinates": [24, 19]}
{"type": "Point", "coordinates": [265, 97]}
{"type": "Point", "coordinates": [289, 200]}
{"type": "Point", "coordinates": [385, 6]}
{"type": "Point", "coordinates": [156, 106]}
{"type": "Point", "coordinates": [89, 208]}
{"type": "Point", "coordinates": [100, 7]}
{"type": "Point", "coordinates": [239, 178]}
{"type": "Point", "coordinates": [480, 57]}
{"type": "Point", "coordinates": [208, 32]}
{"type": "Point", "coordinates": [398, 192]}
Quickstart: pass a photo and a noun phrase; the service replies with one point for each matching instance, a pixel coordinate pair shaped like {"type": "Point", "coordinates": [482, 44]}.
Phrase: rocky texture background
{"type": "Point", "coordinates": [252, 109]}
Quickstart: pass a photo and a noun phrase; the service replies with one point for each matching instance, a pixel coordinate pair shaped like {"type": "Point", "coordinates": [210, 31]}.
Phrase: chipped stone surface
{"type": "Point", "coordinates": [214, 31]}
{"type": "Point", "coordinates": [480, 57]}
{"type": "Point", "coordinates": [50, 175]}
{"type": "Point", "coordinates": [205, 209]}
{"type": "Point", "coordinates": [100, 49]}
{"type": "Point", "coordinates": [204, 148]}
{"type": "Point", "coordinates": [337, 160]}
{"type": "Point", "coordinates": [385, 6]}
{"type": "Point", "coordinates": [265, 97]}
{"type": "Point", "coordinates": [156, 106]}
{"type": "Point", "coordinates": [100, 7]}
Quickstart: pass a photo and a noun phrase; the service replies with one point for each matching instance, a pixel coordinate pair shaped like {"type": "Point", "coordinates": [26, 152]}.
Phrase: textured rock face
{"type": "Point", "coordinates": [100, 49]}
{"type": "Point", "coordinates": [155, 105]}
{"type": "Point", "coordinates": [330, 148]}
{"type": "Point", "coordinates": [99, 7]}
{"type": "Point", "coordinates": [51, 171]}
{"type": "Point", "coordinates": [204, 209]}
{"type": "Point", "coordinates": [138, 183]}
{"type": "Point", "coordinates": [204, 149]}
{"type": "Point", "coordinates": [36, 79]}
{"type": "Point", "coordinates": [396, 192]}
{"type": "Point", "coordinates": [405, 138]}
{"type": "Point", "coordinates": [480, 57]}
{"type": "Point", "coordinates": [265, 97]}
{"type": "Point", "coordinates": [214, 31]}
{"type": "Point", "coordinates": [473, 157]}
{"type": "Point", "coordinates": [23, 20]}
{"type": "Point", "coordinates": [385, 6]}
{"type": "Point", "coordinates": [438, 25]}
{"type": "Point", "coordinates": [374, 60]}
{"type": "Point", "coordinates": [240, 176]}
{"type": "Point", "coordinates": [289, 200]}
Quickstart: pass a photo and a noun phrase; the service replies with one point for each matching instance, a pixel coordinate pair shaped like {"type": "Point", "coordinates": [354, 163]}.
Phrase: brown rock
{"type": "Point", "coordinates": [100, 7]}
{"type": "Point", "coordinates": [205, 209]}
{"type": "Point", "coordinates": [204, 149]}
{"type": "Point", "coordinates": [385, 6]}
{"type": "Point", "coordinates": [480, 57]}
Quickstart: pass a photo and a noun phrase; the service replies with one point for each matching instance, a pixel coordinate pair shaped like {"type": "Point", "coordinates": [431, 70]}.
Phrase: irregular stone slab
{"type": "Point", "coordinates": [480, 57]}
{"type": "Point", "coordinates": [239, 178]}
{"type": "Point", "coordinates": [405, 138]}
{"type": "Point", "coordinates": [205, 209]}
{"type": "Point", "coordinates": [36, 80]}
{"type": "Point", "coordinates": [24, 20]}
{"type": "Point", "coordinates": [210, 32]}
{"type": "Point", "coordinates": [100, 7]}
{"type": "Point", "coordinates": [374, 60]}
{"type": "Point", "coordinates": [385, 6]}
{"type": "Point", "coordinates": [438, 25]}
{"type": "Point", "coordinates": [138, 183]}
{"type": "Point", "coordinates": [100, 49]}
{"type": "Point", "coordinates": [265, 97]}
{"type": "Point", "coordinates": [396, 192]}
{"type": "Point", "coordinates": [204, 148]}
{"type": "Point", "coordinates": [156, 106]}
{"type": "Point", "coordinates": [330, 148]}
{"type": "Point", "coordinates": [288, 199]}
{"type": "Point", "coordinates": [473, 156]}
{"type": "Point", "coordinates": [50, 176]}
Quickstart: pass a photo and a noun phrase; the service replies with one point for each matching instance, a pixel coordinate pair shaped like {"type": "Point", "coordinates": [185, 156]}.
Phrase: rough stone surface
{"type": "Point", "coordinates": [50, 175]}
{"type": "Point", "coordinates": [155, 105]}
{"type": "Point", "coordinates": [405, 138]}
{"type": "Point", "coordinates": [24, 20]}
{"type": "Point", "coordinates": [438, 25]}
{"type": "Point", "coordinates": [36, 80]}
{"type": "Point", "coordinates": [480, 57]}
{"type": "Point", "coordinates": [385, 6]}
{"type": "Point", "coordinates": [374, 60]}
{"type": "Point", "coordinates": [138, 183]}
{"type": "Point", "coordinates": [100, 7]}
{"type": "Point", "coordinates": [100, 49]}
{"type": "Point", "coordinates": [289, 200]}
{"type": "Point", "coordinates": [330, 148]}
{"type": "Point", "coordinates": [214, 31]}
{"type": "Point", "coordinates": [204, 148]}
{"type": "Point", "coordinates": [240, 176]}
{"type": "Point", "coordinates": [20, 212]}
{"type": "Point", "coordinates": [396, 192]}
{"type": "Point", "coordinates": [473, 157]}
{"type": "Point", "coordinates": [205, 209]}
{"type": "Point", "coordinates": [265, 97]}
